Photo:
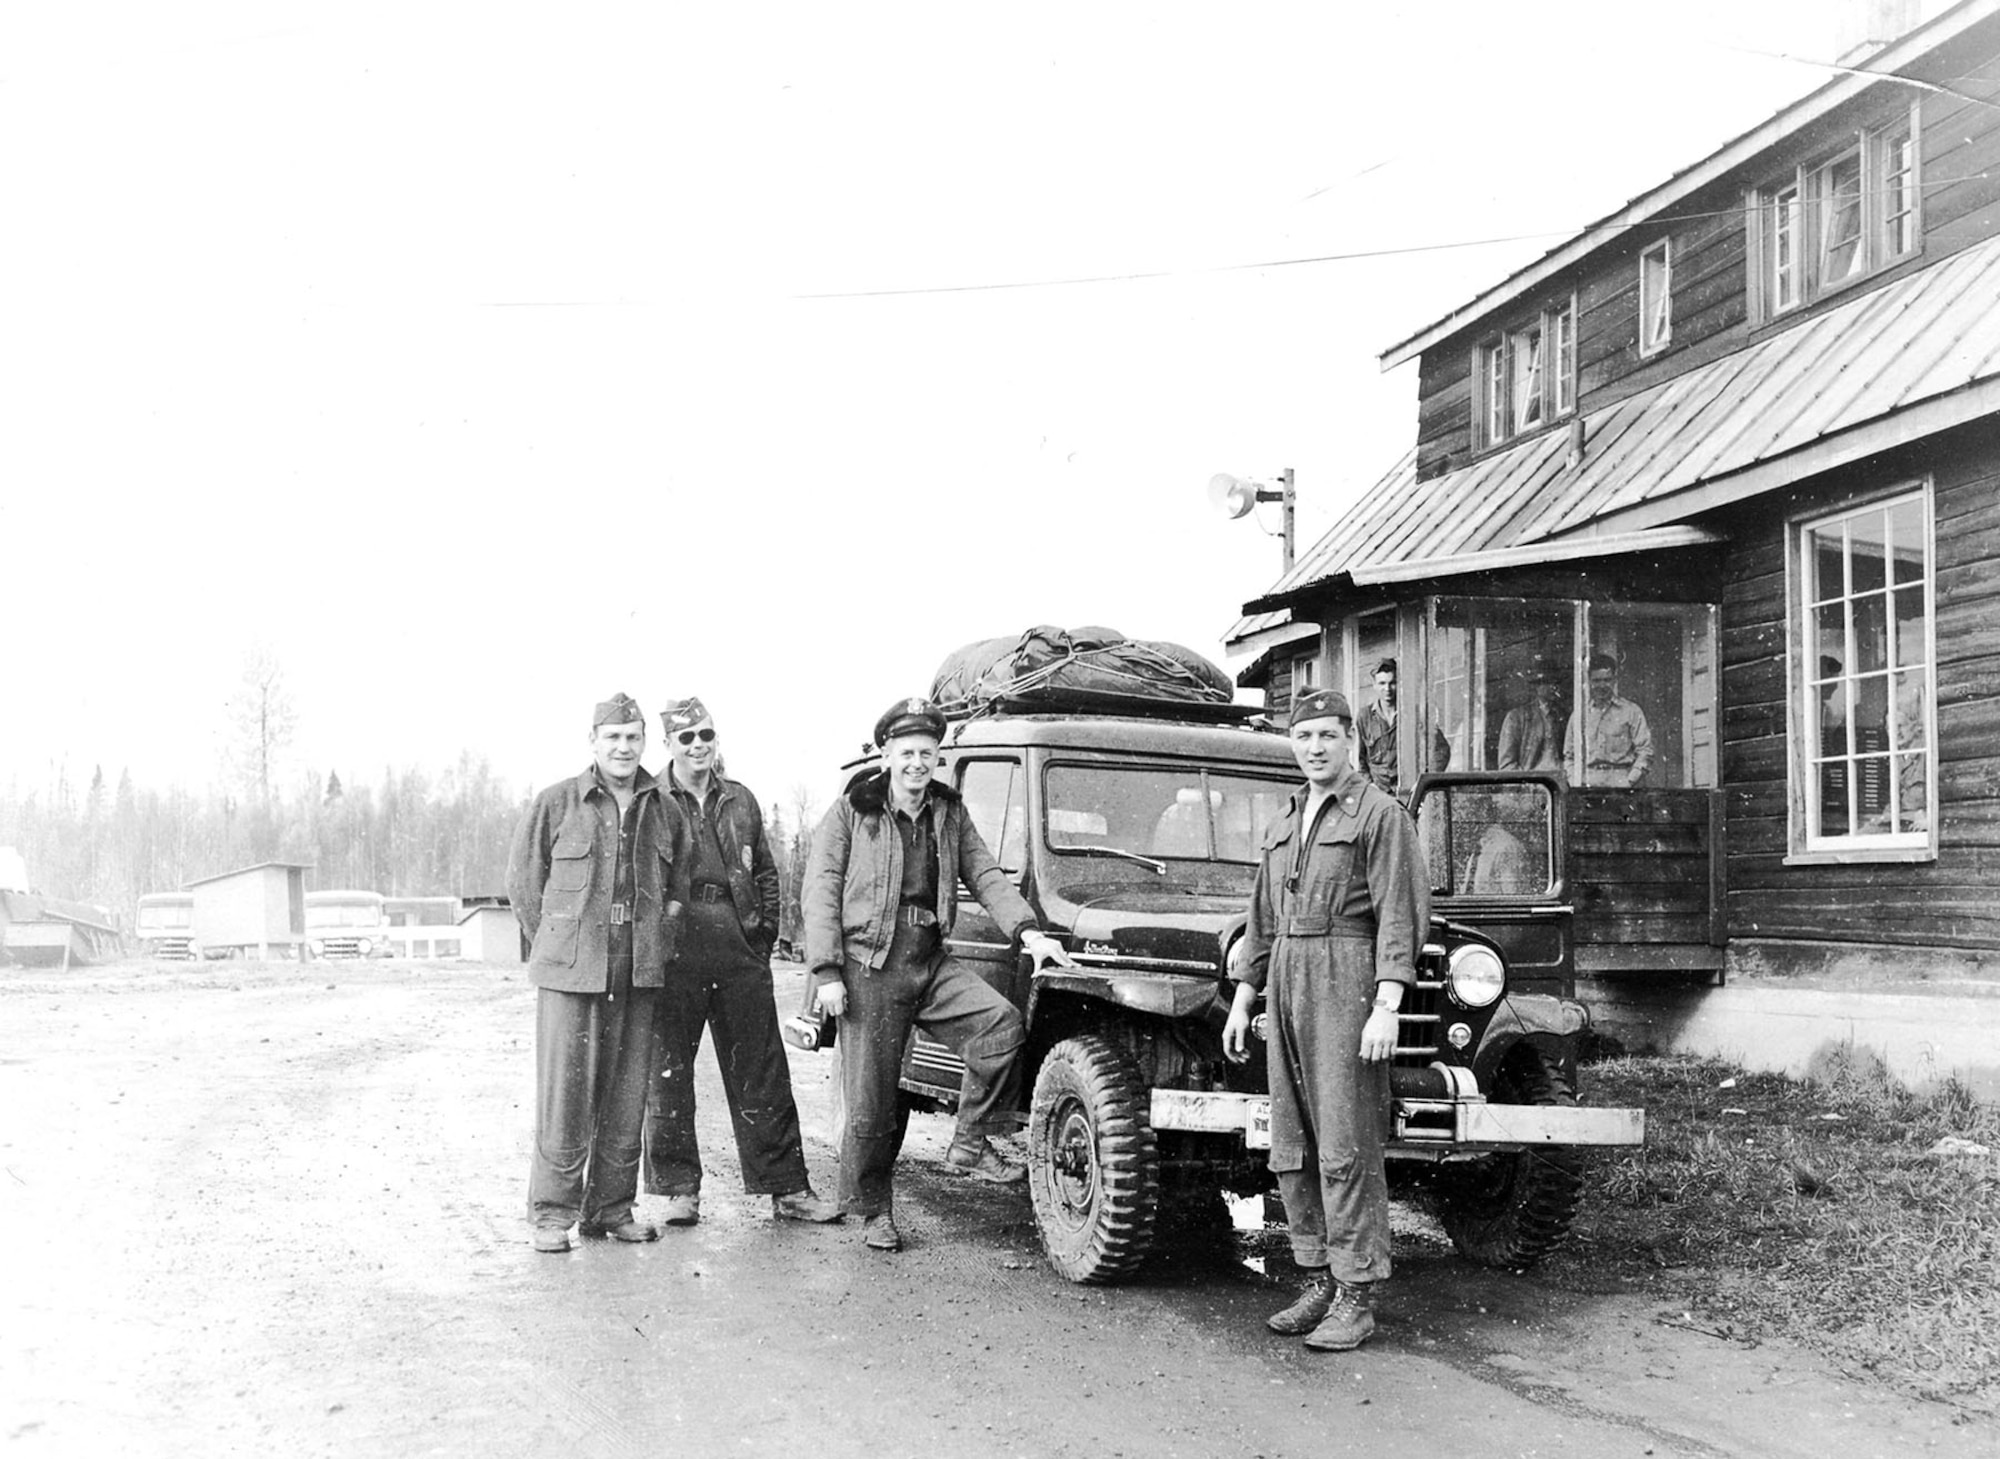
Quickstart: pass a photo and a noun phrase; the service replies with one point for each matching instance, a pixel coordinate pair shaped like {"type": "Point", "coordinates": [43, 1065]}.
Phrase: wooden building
{"type": "Point", "coordinates": [1734, 450]}
{"type": "Point", "coordinates": [258, 911]}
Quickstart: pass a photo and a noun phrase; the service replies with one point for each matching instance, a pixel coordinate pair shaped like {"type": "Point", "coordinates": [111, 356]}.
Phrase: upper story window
{"type": "Point", "coordinates": [1656, 298]}
{"type": "Point", "coordinates": [1527, 376]}
{"type": "Point", "coordinates": [1837, 219]}
{"type": "Point", "coordinates": [1863, 760]}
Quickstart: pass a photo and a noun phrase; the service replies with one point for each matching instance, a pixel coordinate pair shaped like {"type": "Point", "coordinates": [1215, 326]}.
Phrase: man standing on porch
{"type": "Point", "coordinates": [1617, 744]}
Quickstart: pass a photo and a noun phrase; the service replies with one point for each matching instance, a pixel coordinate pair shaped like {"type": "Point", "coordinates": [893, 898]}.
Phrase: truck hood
{"type": "Point", "coordinates": [1152, 922]}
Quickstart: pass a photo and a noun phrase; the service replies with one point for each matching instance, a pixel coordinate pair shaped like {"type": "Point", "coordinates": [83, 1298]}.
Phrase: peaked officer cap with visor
{"type": "Point", "coordinates": [912, 716]}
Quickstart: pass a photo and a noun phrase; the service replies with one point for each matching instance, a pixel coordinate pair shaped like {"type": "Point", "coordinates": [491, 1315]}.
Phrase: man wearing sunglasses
{"type": "Point", "coordinates": [723, 983]}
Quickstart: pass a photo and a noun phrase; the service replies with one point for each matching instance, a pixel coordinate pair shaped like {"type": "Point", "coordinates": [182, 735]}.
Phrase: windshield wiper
{"type": "Point", "coordinates": [1159, 867]}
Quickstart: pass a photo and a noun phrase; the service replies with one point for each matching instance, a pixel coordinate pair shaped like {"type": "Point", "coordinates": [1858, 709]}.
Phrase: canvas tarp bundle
{"type": "Point", "coordinates": [1047, 664]}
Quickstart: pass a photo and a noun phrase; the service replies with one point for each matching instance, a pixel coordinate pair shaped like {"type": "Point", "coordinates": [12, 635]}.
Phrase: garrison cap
{"type": "Point", "coordinates": [618, 709]}
{"type": "Point", "coordinates": [1319, 704]}
{"type": "Point", "coordinates": [683, 714]}
{"type": "Point", "coordinates": [912, 716]}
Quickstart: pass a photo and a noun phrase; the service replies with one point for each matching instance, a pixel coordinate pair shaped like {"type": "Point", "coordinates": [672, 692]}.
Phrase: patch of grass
{"type": "Point", "coordinates": [1811, 1209]}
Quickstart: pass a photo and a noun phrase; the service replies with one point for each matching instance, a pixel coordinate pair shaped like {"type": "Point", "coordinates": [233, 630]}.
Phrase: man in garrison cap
{"type": "Point", "coordinates": [1337, 914]}
{"type": "Point", "coordinates": [881, 891]}
{"type": "Point", "coordinates": [595, 875]}
{"type": "Point", "coordinates": [722, 983]}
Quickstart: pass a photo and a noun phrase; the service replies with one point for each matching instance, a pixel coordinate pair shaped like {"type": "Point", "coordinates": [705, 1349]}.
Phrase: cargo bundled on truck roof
{"type": "Point", "coordinates": [1091, 670]}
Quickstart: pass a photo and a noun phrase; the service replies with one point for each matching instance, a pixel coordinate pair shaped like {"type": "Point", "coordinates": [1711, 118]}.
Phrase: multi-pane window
{"type": "Point", "coordinates": [1527, 377]}
{"type": "Point", "coordinates": [1305, 672]}
{"type": "Point", "coordinates": [1656, 298]}
{"type": "Point", "coordinates": [1838, 219]}
{"type": "Point", "coordinates": [1865, 758]}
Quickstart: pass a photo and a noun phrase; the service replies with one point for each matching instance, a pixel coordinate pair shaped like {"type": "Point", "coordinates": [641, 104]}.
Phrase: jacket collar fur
{"type": "Point", "coordinates": [868, 792]}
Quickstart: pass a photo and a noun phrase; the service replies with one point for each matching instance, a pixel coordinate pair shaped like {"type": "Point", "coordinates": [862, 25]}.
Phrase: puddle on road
{"type": "Point", "coordinates": [1263, 1246]}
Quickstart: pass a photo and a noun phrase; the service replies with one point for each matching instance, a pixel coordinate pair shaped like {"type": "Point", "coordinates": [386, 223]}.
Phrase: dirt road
{"type": "Point", "coordinates": [278, 1211]}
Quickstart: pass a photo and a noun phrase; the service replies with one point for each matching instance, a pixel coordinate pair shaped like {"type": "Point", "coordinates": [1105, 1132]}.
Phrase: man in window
{"type": "Point", "coordinates": [1376, 728]}
{"type": "Point", "coordinates": [1617, 746]}
{"type": "Point", "coordinates": [1529, 739]}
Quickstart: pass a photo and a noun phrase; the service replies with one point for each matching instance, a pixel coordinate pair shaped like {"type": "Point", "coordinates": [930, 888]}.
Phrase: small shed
{"type": "Point", "coordinates": [489, 932]}
{"type": "Point", "coordinates": [257, 911]}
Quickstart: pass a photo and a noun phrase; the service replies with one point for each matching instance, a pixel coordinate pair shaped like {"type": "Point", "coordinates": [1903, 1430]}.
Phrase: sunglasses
{"type": "Point", "coordinates": [688, 737]}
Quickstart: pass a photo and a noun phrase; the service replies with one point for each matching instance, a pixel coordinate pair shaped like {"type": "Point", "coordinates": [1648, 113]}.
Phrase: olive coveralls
{"type": "Point", "coordinates": [1338, 907]}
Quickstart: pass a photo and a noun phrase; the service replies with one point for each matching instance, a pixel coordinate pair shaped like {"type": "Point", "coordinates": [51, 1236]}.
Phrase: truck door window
{"type": "Point", "coordinates": [996, 797]}
{"type": "Point", "coordinates": [1487, 840]}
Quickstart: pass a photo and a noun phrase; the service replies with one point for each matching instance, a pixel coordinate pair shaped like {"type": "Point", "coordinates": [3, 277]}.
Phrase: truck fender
{"type": "Point", "coordinates": [1539, 1018]}
{"type": "Point", "coordinates": [1168, 995]}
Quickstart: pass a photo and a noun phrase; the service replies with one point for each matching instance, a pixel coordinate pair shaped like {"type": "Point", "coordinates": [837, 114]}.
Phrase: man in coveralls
{"type": "Point", "coordinates": [1340, 903]}
{"type": "Point", "coordinates": [722, 982]}
{"type": "Point", "coordinates": [880, 894]}
{"type": "Point", "coordinates": [590, 875]}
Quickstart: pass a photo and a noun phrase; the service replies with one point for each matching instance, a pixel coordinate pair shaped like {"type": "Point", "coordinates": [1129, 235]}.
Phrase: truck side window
{"type": "Point", "coordinates": [996, 797]}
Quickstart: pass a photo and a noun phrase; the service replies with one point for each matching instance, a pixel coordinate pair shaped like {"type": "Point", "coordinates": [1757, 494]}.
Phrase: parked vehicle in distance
{"type": "Point", "coordinates": [346, 924]}
{"type": "Point", "coordinates": [164, 927]}
{"type": "Point", "coordinates": [1136, 836]}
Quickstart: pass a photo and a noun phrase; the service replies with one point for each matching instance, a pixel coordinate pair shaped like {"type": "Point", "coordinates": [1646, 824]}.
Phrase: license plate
{"type": "Point", "coordinates": [1257, 1125]}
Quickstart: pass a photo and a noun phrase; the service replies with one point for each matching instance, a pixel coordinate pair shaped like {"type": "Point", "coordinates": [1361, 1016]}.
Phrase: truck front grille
{"type": "Point", "coordinates": [1417, 1040]}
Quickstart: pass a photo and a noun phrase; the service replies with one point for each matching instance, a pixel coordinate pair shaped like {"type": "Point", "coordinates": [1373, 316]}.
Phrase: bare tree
{"type": "Point", "coordinates": [262, 719]}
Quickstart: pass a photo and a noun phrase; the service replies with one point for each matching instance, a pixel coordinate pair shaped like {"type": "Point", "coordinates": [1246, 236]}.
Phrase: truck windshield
{"type": "Point", "coordinates": [1161, 813]}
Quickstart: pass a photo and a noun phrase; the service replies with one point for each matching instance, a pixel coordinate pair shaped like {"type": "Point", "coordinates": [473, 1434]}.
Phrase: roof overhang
{"type": "Point", "coordinates": [1266, 639]}
{"type": "Point", "coordinates": [1713, 168]}
{"type": "Point", "coordinates": [1497, 559]}
{"type": "Point", "coordinates": [1535, 554]}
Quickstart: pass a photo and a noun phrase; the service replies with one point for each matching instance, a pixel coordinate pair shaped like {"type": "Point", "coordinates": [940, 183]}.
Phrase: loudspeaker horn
{"type": "Point", "coordinates": [1231, 495]}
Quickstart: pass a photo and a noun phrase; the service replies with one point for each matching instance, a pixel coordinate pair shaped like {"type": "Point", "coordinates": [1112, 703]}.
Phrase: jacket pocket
{"type": "Point", "coordinates": [569, 862]}
{"type": "Point", "coordinates": [555, 941]}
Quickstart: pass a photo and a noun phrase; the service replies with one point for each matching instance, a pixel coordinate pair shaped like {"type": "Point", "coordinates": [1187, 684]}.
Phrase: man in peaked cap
{"type": "Point", "coordinates": [593, 877]}
{"type": "Point", "coordinates": [880, 894]}
{"type": "Point", "coordinates": [1339, 907]}
{"type": "Point", "coordinates": [722, 982]}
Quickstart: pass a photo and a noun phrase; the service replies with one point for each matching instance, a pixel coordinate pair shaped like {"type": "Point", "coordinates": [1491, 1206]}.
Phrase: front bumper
{"type": "Point", "coordinates": [1454, 1122]}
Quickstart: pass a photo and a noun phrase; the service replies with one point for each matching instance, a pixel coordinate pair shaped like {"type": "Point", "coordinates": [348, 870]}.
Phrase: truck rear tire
{"type": "Point", "coordinates": [1093, 1161]}
{"type": "Point", "coordinates": [1512, 1210]}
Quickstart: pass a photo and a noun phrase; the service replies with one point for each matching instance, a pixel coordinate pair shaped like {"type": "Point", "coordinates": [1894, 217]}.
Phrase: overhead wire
{"type": "Point", "coordinates": [1660, 221]}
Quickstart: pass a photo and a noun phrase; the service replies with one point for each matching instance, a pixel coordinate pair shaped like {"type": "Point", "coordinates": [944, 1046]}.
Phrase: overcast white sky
{"type": "Point", "coordinates": [473, 356]}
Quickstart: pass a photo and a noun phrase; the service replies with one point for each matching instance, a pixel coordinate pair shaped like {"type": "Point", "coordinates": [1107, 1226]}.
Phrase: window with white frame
{"type": "Point", "coordinates": [1838, 219]}
{"type": "Point", "coordinates": [1656, 298]}
{"type": "Point", "coordinates": [1864, 761]}
{"type": "Point", "coordinates": [1526, 377]}
{"type": "Point", "coordinates": [1305, 672]}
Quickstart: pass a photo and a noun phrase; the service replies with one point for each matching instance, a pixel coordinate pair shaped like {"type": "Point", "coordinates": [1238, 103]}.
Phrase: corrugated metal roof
{"type": "Point", "coordinates": [1923, 336]}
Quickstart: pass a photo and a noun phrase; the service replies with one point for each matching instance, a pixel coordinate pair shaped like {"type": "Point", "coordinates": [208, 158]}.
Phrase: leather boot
{"type": "Point", "coordinates": [1349, 1320]}
{"type": "Point", "coordinates": [1306, 1313]}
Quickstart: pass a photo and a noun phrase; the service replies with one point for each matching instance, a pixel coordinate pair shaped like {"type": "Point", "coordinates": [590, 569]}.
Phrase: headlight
{"type": "Point", "coordinates": [316, 946]}
{"type": "Point", "coordinates": [1477, 975]}
{"type": "Point", "coordinates": [365, 946]}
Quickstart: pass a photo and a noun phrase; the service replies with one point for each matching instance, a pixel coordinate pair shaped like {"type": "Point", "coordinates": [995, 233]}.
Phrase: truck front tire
{"type": "Point", "coordinates": [1513, 1210]}
{"type": "Point", "coordinates": [1093, 1161]}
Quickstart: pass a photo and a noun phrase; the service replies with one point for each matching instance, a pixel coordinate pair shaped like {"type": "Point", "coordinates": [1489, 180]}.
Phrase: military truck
{"type": "Point", "coordinates": [1134, 832]}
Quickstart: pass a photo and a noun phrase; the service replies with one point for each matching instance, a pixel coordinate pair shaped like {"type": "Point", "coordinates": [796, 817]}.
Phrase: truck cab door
{"type": "Point", "coordinates": [1496, 846]}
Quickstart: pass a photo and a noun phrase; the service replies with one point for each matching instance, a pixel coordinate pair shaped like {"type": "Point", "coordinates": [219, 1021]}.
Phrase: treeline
{"type": "Point", "coordinates": [411, 833]}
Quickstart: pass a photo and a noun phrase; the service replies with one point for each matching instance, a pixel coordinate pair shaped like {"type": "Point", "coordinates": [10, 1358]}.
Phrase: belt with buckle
{"type": "Point", "coordinates": [710, 892]}
{"type": "Point", "coordinates": [917, 916]}
{"type": "Point", "coordinates": [620, 914]}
